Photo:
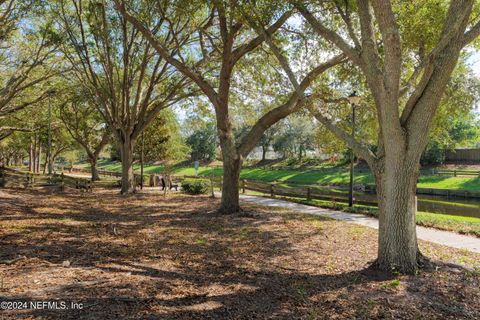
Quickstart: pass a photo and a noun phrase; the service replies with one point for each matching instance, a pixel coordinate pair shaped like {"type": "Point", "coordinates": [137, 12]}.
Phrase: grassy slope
{"type": "Point", "coordinates": [311, 176]}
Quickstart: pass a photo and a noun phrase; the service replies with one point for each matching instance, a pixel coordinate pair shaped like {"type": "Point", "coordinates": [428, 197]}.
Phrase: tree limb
{"type": "Point", "coordinates": [361, 150]}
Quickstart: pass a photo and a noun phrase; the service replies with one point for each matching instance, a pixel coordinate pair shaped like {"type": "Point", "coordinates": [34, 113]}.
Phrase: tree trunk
{"type": "Point", "coordinates": [232, 163]}
{"type": "Point", "coordinates": [230, 188]}
{"type": "Point", "coordinates": [397, 237]}
{"type": "Point", "coordinates": [45, 164]}
{"type": "Point", "coordinates": [126, 154]}
{"type": "Point", "coordinates": [34, 154]}
{"type": "Point", "coordinates": [264, 152]}
{"type": "Point", "coordinates": [39, 158]}
{"type": "Point", "coordinates": [94, 170]}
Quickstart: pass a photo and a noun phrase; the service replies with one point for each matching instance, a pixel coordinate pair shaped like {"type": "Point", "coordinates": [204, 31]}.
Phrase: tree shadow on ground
{"type": "Point", "coordinates": [176, 258]}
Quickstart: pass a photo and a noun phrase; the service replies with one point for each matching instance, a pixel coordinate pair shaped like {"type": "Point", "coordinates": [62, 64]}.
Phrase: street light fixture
{"type": "Point", "coordinates": [354, 100]}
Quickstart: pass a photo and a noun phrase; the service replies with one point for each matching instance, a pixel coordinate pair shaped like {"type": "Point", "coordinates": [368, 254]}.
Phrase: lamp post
{"type": "Point", "coordinates": [354, 100]}
{"type": "Point", "coordinates": [49, 160]}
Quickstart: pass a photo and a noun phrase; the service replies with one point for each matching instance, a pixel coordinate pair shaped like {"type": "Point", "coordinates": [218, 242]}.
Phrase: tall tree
{"type": "Point", "coordinates": [222, 38]}
{"type": "Point", "coordinates": [27, 56]}
{"type": "Point", "coordinates": [162, 140]}
{"type": "Point", "coordinates": [406, 80]}
{"type": "Point", "coordinates": [129, 81]}
{"type": "Point", "coordinates": [202, 144]}
{"type": "Point", "coordinates": [84, 123]}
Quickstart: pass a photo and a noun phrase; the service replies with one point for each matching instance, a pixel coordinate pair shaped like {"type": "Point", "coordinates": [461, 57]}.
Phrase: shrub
{"type": "Point", "coordinates": [195, 186]}
{"type": "Point", "coordinates": [433, 154]}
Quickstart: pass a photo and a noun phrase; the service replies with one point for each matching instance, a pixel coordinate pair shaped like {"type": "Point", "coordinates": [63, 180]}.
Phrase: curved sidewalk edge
{"type": "Point", "coordinates": [445, 238]}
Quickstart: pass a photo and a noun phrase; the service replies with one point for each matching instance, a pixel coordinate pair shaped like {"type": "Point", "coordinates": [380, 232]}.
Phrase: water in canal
{"type": "Point", "coordinates": [460, 206]}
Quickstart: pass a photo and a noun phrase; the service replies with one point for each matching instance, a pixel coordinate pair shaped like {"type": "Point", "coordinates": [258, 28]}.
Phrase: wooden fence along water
{"type": "Point", "coordinates": [310, 189]}
{"type": "Point", "coordinates": [309, 192]}
{"type": "Point", "coordinates": [366, 196]}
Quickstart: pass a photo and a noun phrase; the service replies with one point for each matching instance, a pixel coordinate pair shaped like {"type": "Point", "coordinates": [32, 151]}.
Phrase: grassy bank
{"type": "Point", "coordinates": [309, 176]}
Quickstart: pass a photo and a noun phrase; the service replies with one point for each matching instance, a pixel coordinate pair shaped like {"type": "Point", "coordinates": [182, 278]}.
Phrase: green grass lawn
{"type": "Point", "coordinates": [308, 176]}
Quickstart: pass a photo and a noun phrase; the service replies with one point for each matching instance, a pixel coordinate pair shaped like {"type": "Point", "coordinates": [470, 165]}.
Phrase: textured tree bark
{"type": "Point", "coordinates": [39, 158]}
{"type": "Point", "coordinates": [94, 170]}
{"type": "Point", "coordinates": [232, 164]}
{"type": "Point", "coordinates": [126, 154]}
{"type": "Point", "coordinates": [30, 158]}
{"type": "Point", "coordinates": [230, 188]}
{"type": "Point", "coordinates": [397, 240]}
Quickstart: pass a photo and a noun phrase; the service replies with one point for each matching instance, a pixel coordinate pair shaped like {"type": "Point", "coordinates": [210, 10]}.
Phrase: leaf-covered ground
{"type": "Point", "coordinates": [149, 257]}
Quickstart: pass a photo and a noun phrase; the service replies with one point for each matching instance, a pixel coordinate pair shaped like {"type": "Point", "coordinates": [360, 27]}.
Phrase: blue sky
{"type": "Point", "coordinates": [475, 62]}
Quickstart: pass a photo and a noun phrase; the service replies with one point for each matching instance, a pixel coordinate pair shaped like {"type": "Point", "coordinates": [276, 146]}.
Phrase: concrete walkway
{"type": "Point", "coordinates": [445, 238]}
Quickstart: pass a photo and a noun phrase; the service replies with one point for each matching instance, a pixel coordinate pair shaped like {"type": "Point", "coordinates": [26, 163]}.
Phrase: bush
{"type": "Point", "coordinates": [195, 186]}
{"type": "Point", "coordinates": [433, 154]}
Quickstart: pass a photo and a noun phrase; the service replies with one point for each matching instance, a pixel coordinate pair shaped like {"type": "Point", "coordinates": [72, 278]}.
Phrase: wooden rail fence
{"type": "Point", "coordinates": [17, 178]}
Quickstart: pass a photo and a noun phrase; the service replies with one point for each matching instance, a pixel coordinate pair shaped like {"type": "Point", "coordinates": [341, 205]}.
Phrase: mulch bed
{"type": "Point", "coordinates": [149, 257]}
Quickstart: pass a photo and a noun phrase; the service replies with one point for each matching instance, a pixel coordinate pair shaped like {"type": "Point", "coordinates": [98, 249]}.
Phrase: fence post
{"type": "Point", "coordinates": [272, 191]}
{"type": "Point", "coordinates": [243, 185]}
{"type": "Point", "coordinates": [454, 173]}
{"type": "Point", "coordinates": [309, 194]}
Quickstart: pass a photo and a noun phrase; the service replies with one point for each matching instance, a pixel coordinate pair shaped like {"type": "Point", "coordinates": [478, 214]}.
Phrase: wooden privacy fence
{"type": "Point", "coordinates": [472, 155]}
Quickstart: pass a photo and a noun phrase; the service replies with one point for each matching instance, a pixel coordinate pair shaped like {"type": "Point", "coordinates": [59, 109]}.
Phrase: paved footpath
{"type": "Point", "coordinates": [445, 238]}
